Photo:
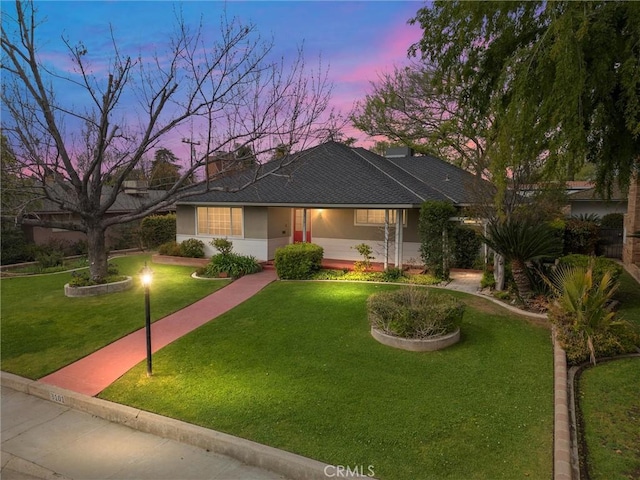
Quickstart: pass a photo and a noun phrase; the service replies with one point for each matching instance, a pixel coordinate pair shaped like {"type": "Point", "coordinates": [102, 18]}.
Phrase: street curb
{"type": "Point", "coordinates": [251, 453]}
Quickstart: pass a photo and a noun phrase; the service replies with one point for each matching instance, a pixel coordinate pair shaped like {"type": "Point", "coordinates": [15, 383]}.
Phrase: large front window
{"type": "Point", "coordinates": [220, 221]}
{"type": "Point", "coordinates": [376, 217]}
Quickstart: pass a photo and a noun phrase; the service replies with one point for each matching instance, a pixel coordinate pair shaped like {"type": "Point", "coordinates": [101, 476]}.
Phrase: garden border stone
{"type": "Point", "coordinates": [417, 344]}
{"type": "Point", "coordinates": [95, 290]}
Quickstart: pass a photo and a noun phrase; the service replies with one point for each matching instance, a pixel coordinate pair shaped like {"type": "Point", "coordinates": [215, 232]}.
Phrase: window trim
{"type": "Point", "coordinates": [391, 222]}
{"type": "Point", "coordinates": [213, 235]}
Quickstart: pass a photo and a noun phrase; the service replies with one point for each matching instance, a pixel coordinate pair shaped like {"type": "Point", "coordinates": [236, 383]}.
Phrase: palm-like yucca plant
{"type": "Point", "coordinates": [584, 302]}
{"type": "Point", "coordinates": [520, 242]}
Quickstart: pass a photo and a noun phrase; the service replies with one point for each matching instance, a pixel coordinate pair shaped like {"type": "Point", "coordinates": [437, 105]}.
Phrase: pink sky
{"type": "Point", "coordinates": [356, 40]}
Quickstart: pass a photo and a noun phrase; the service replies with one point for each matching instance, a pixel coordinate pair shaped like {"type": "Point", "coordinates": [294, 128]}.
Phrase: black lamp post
{"type": "Point", "coordinates": [146, 275]}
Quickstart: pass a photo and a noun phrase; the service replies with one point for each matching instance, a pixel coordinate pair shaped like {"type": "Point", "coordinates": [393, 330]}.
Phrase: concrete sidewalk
{"type": "Point", "coordinates": [43, 439]}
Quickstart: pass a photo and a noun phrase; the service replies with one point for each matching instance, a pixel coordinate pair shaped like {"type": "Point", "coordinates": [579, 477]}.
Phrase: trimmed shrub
{"type": "Point", "coordinates": [157, 229]}
{"type": "Point", "coordinates": [222, 245]}
{"type": "Point", "coordinates": [466, 247]}
{"type": "Point", "coordinates": [298, 261]}
{"type": "Point", "coordinates": [414, 313]}
{"type": "Point", "coordinates": [171, 248]}
{"type": "Point", "coordinates": [580, 236]}
{"type": "Point", "coordinates": [50, 259]}
{"type": "Point", "coordinates": [600, 265]}
{"type": "Point", "coordinates": [392, 274]}
{"type": "Point", "coordinates": [435, 231]}
{"type": "Point", "coordinates": [612, 220]}
{"type": "Point", "coordinates": [192, 248]}
{"type": "Point", "coordinates": [234, 265]}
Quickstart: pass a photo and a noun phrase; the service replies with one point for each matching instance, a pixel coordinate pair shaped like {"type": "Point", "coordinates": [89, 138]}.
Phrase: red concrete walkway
{"type": "Point", "coordinates": [95, 372]}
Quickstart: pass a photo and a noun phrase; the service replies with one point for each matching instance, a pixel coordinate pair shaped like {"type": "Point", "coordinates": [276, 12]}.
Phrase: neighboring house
{"type": "Point", "coordinates": [588, 201]}
{"type": "Point", "coordinates": [334, 196]}
{"type": "Point", "coordinates": [134, 195]}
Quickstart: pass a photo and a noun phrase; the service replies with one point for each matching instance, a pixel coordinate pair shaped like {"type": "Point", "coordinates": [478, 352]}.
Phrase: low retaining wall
{"type": "Point", "coordinates": [562, 469]}
{"type": "Point", "coordinates": [184, 261]}
{"type": "Point", "coordinates": [95, 290]}
{"type": "Point", "coordinates": [416, 345]}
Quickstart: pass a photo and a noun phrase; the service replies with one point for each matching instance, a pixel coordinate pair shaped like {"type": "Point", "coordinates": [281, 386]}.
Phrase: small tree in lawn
{"type": "Point", "coordinates": [80, 147]}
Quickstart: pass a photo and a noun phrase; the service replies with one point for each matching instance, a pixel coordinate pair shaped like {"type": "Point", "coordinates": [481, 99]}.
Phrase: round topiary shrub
{"type": "Point", "coordinates": [414, 313]}
{"type": "Point", "coordinates": [192, 248]}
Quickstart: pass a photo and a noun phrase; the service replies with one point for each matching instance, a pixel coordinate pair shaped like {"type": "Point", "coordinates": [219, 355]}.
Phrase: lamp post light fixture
{"type": "Point", "coordinates": [146, 275]}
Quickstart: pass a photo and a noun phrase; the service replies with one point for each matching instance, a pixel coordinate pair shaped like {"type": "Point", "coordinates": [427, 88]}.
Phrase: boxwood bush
{"type": "Point", "coordinates": [298, 261]}
{"type": "Point", "coordinates": [192, 248]}
{"type": "Point", "coordinates": [414, 313]}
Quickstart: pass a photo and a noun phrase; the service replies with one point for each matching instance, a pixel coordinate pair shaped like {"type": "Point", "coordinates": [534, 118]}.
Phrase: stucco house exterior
{"type": "Point", "coordinates": [588, 201]}
{"type": "Point", "coordinates": [332, 195]}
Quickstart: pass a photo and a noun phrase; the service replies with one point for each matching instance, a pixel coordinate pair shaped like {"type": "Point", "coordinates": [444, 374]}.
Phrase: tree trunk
{"type": "Point", "coordinates": [97, 253]}
{"type": "Point", "coordinates": [498, 271]}
{"type": "Point", "coordinates": [518, 269]}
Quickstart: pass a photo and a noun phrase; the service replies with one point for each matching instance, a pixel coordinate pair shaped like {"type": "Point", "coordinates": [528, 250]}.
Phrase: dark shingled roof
{"type": "Point", "coordinates": [591, 194]}
{"type": "Point", "coordinates": [334, 175]}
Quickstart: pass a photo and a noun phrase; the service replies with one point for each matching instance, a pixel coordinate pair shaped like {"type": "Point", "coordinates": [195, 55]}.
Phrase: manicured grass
{"type": "Point", "coordinates": [610, 406]}
{"type": "Point", "coordinates": [628, 295]}
{"type": "Point", "coordinates": [42, 330]}
{"type": "Point", "coordinates": [296, 368]}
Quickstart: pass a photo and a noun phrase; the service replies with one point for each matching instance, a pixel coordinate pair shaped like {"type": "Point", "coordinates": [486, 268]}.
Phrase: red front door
{"type": "Point", "coordinates": [298, 225]}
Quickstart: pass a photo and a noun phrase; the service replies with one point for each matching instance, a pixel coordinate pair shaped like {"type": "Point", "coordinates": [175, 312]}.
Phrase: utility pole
{"type": "Point", "coordinates": [192, 146]}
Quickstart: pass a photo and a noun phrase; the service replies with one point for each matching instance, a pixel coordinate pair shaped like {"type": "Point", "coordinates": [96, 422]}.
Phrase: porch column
{"type": "Point", "coordinates": [386, 239]}
{"type": "Point", "coordinates": [399, 239]}
{"type": "Point", "coordinates": [304, 225]}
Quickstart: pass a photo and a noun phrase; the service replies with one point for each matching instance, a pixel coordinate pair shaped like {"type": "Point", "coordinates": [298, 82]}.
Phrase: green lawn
{"type": "Point", "coordinates": [610, 407]}
{"type": "Point", "coordinates": [609, 396]}
{"type": "Point", "coordinates": [628, 295]}
{"type": "Point", "coordinates": [296, 368]}
{"type": "Point", "coordinates": [42, 330]}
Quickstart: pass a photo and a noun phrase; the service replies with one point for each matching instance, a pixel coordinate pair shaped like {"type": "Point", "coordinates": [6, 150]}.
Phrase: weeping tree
{"type": "Point", "coordinates": [559, 81]}
{"type": "Point", "coordinates": [78, 148]}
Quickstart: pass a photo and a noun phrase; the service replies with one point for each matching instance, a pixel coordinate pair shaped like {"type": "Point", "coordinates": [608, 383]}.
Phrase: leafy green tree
{"type": "Point", "coordinates": [559, 80]}
{"type": "Point", "coordinates": [165, 171]}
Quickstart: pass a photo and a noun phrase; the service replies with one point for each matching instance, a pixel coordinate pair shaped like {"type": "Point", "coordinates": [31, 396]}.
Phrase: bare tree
{"type": "Point", "coordinates": [408, 109]}
{"type": "Point", "coordinates": [227, 88]}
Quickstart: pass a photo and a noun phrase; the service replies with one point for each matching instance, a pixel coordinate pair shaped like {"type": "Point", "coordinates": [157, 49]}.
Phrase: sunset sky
{"type": "Point", "coordinates": [356, 40]}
